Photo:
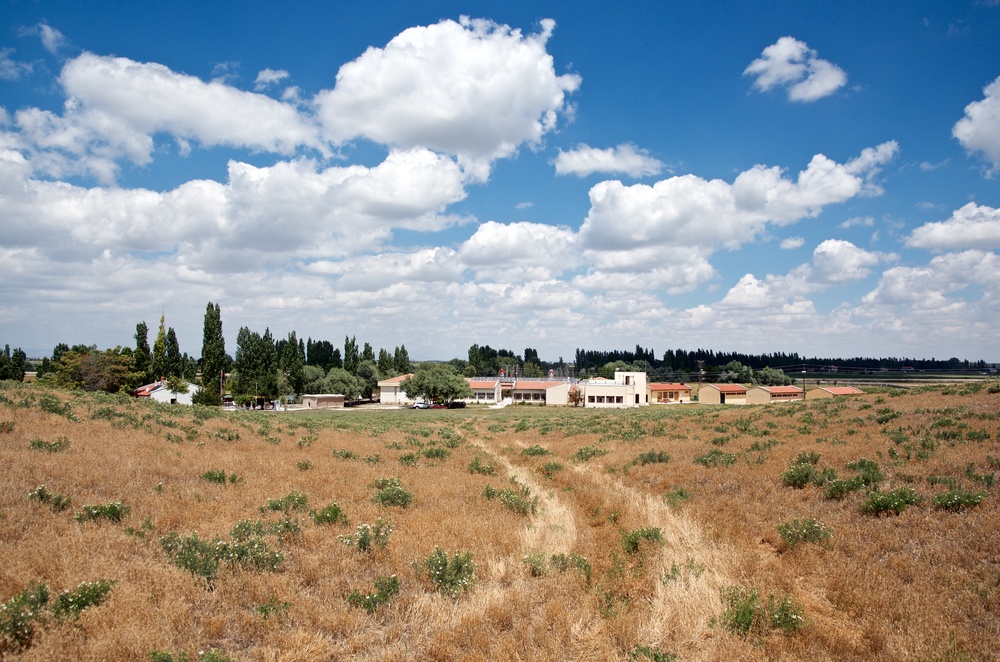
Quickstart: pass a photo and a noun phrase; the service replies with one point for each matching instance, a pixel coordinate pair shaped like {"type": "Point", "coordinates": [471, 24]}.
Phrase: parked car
{"type": "Point", "coordinates": [456, 404]}
{"type": "Point", "coordinates": [421, 405]}
{"type": "Point", "coordinates": [437, 405]}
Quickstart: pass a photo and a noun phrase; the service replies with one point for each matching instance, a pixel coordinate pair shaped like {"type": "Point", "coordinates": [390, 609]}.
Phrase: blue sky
{"type": "Point", "coordinates": [813, 177]}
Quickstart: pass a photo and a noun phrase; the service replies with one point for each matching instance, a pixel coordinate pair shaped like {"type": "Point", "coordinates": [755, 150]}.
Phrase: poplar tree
{"type": "Point", "coordinates": [141, 359]}
{"type": "Point", "coordinates": [160, 351]}
{"type": "Point", "coordinates": [175, 367]}
{"type": "Point", "coordinates": [213, 350]}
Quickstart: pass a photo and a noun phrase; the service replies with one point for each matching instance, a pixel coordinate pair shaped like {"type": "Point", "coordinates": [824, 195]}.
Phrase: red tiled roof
{"type": "Point", "coordinates": [842, 390]}
{"type": "Point", "coordinates": [663, 386]}
{"type": "Point", "coordinates": [397, 379]}
{"type": "Point", "coordinates": [728, 388]}
{"type": "Point", "coordinates": [481, 384]}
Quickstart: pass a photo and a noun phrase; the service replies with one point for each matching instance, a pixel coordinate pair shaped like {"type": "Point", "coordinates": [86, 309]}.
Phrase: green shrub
{"type": "Point", "coordinates": [716, 458]}
{"type": "Point", "coordinates": [202, 557]}
{"type": "Point", "coordinates": [868, 472]}
{"type": "Point", "coordinates": [450, 576]}
{"type": "Point", "coordinates": [60, 444]}
{"type": "Point", "coordinates": [385, 588]}
{"type": "Point", "coordinates": [537, 565]}
{"type": "Point", "coordinates": [192, 554]}
{"type": "Point", "coordinates": [632, 539]}
{"type": "Point", "coordinates": [746, 613]}
{"type": "Point", "coordinates": [549, 469]}
{"type": "Point", "coordinates": [21, 616]}
{"type": "Point", "coordinates": [345, 454]}
{"type": "Point", "coordinates": [6, 427]}
{"type": "Point", "coordinates": [435, 452]}
{"type": "Point", "coordinates": [331, 514]}
{"type": "Point", "coordinates": [57, 502]}
{"type": "Point", "coordinates": [957, 499]}
{"type": "Point", "coordinates": [808, 457]}
{"type": "Point", "coordinates": [408, 459]}
{"type": "Point", "coordinates": [799, 475]}
{"type": "Point", "coordinates": [304, 465]}
{"type": "Point", "coordinates": [390, 493]}
{"type": "Point", "coordinates": [218, 477]}
{"type": "Point", "coordinates": [289, 502]}
{"type": "Point", "coordinates": [69, 604]}
{"type": "Point", "coordinates": [651, 653]}
{"type": "Point", "coordinates": [894, 501]}
{"type": "Point", "coordinates": [477, 467]}
{"type": "Point", "coordinates": [678, 496]}
{"type": "Point", "coordinates": [517, 499]}
{"type": "Point", "coordinates": [535, 450]}
{"type": "Point", "coordinates": [587, 452]}
{"type": "Point", "coordinates": [369, 536]}
{"type": "Point", "coordinates": [564, 562]}
{"type": "Point", "coordinates": [802, 531]}
{"type": "Point", "coordinates": [272, 608]}
{"type": "Point", "coordinates": [651, 457]}
{"type": "Point", "coordinates": [114, 511]}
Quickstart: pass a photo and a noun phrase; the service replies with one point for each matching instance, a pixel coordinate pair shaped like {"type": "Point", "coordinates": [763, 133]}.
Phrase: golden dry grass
{"type": "Point", "coordinates": [921, 585]}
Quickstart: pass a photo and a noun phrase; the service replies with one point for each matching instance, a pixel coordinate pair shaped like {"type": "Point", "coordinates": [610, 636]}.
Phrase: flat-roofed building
{"type": "Point", "coordinates": [832, 392]}
{"type": "Point", "coordinates": [661, 393]}
{"type": "Point", "coordinates": [765, 395]}
{"type": "Point", "coordinates": [722, 394]}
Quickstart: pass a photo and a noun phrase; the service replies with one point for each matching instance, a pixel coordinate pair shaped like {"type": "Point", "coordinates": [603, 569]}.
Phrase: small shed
{"type": "Point", "coordinates": [323, 401]}
{"type": "Point", "coordinates": [661, 393]}
{"type": "Point", "coordinates": [765, 395]}
{"type": "Point", "coordinates": [832, 392]}
{"type": "Point", "coordinates": [722, 394]}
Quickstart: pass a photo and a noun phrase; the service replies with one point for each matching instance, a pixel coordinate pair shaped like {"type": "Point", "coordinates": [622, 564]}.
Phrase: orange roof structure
{"type": "Point", "coordinates": [665, 386]}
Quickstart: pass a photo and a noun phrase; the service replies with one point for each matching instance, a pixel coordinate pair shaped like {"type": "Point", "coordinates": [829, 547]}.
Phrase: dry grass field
{"type": "Point", "coordinates": [684, 532]}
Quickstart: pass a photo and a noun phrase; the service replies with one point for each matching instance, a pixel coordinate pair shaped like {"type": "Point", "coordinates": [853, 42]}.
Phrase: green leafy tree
{"type": "Point", "coordinates": [90, 369]}
{"type": "Point", "coordinates": [293, 362]}
{"type": "Point", "coordinates": [386, 364]}
{"type": "Point", "coordinates": [368, 354]}
{"type": "Point", "coordinates": [737, 373]}
{"type": "Point", "coordinates": [313, 379]}
{"type": "Point", "coordinates": [142, 360]}
{"type": "Point", "coordinates": [175, 361]}
{"type": "Point", "coordinates": [438, 382]}
{"type": "Point", "coordinates": [351, 356]}
{"type": "Point", "coordinates": [256, 365]}
{"type": "Point", "coordinates": [213, 352]}
{"type": "Point", "coordinates": [340, 381]}
{"type": "Point", "coordinates": [769, 376]}
{"type": "Point", "coordinates": [160, 351]}
{"type": "Point", "coordinates": [401, 360]}
{"type": "Point", "coordinates": [12, 364]}
{"type": "Point", "coordinates": [367, 378]}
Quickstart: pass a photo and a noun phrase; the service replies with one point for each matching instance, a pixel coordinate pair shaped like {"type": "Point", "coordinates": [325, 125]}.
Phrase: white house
{"type": "Point", "coordinates": [628, 389]}
{"type": "Point", "coordinates": [391, 394]}
{"type": "Point", "coordinates": [161, 393]}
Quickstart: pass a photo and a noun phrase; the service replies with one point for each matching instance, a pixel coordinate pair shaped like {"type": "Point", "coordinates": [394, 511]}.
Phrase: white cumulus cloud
{"type": "Point", "coordinates": [626, 159]}
{"type": "Point", "coordinates": [972, 226]}
{"type": "Point", "coordinates": [148, 98]}
{"type": "Point", "coordinates": [979, 130]}
{"type": "Point", "coordinates": [473, 88]}
{"type": "Point", "coordinates": [268, 77]}
{"type": "Point", "coordinates": [790, 63]}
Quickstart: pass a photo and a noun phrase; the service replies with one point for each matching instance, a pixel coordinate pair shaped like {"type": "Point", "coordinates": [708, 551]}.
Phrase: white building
{"type": "Point", "coordinates": [628, 389]}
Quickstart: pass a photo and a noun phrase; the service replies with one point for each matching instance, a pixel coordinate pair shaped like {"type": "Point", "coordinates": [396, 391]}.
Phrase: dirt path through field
{"type": "Point", "coordinates": [692, 567]}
